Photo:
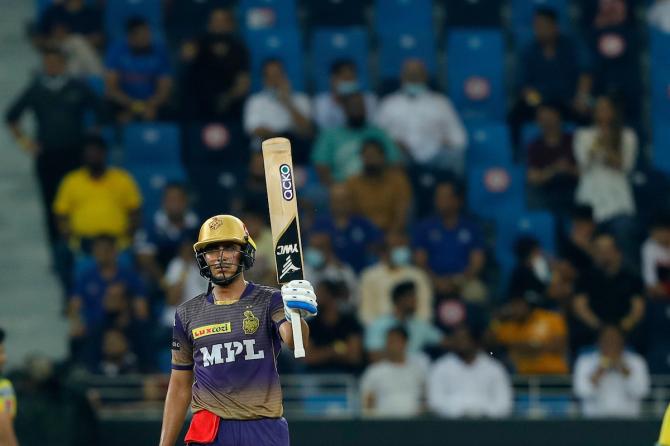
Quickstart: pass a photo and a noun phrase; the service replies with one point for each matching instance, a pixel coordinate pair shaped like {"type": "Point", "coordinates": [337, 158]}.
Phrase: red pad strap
{"type": "Point", "coordinates": [204, 427]}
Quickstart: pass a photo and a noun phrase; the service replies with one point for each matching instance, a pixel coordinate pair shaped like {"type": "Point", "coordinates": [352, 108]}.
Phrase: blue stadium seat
{"type": "Point", "coordinates": [659, 48]}
{"type": "Point", "coordinates": [152, 143]}
{"type": "Point", "coordinates": [396, 48]}
{"type": "Point", "coordinates": [660, 93]}
{"type": "Point", "coordinates": [522, 12]}
{"type": "Point", "coordinates": [259, 15]}
{"type": "Point", "coordinates": [117, 12]}
{"type": "Point", "coordinates": [400, 16]}
{"type": "Point", "coordinates": [330, 44]}
{"type": "Point", "coordinates": [475, 73]}
{"type": "Point", "coordinates": [276, 44]}
{"type": "Point", "coordinates": [489, 144]}
{"type": "Point", "coordinates": [96, 83]}
{"type": "Point", "coordinates": [661, 146]}
{"type": "Point", "coordinates": [496, 190]}
{"type": "Point", "coordinates": [152, 180]}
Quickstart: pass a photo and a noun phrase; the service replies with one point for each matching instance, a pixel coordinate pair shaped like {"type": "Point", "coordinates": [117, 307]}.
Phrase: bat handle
{"type": "Point", "coordinates": [296, 324]}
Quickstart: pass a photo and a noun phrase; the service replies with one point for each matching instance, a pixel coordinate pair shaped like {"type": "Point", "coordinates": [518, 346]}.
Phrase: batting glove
{"type": "Point", "coordinates": [299, 295]}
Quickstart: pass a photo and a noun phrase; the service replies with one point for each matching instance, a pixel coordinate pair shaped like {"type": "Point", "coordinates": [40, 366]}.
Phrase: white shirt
{"type": "Point", "coordinates": [397, 388]}
{"type": "Point", "coordinates": [659, 15]}
{"type": "Point", "coordinates": [264, 110]}
{"type": "Point", "coordinates": [615, 395]}
{"type": "Point", "coordinates": [605, 189]}
{"type": "Point", "coordinates": [481, 389]}
{"type": "Point", "coordinates": [194, 283]}
{"type": "Point", "coordinates": [653, 255]}
{"type": "Point", "coordinates": [328, 113]}
{"type": "Point", "coordinates": [425, 124]}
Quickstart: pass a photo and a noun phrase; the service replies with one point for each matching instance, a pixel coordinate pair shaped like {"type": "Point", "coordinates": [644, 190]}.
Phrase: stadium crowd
{"type": "Point", "coordinates": [455, 238]}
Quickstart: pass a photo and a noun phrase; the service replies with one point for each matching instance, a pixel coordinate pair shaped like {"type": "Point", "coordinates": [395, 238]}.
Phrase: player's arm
{"type": "Point", "coordinates": [7, 435]}
{"type": "Point", "coordinates": [176, 404]}
{"type": "Point", "coordinates": [286, 332]}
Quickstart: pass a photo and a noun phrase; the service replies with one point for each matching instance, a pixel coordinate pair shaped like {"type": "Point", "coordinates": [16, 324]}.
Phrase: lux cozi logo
{"type": "Point", "coordinates": [209, 330]}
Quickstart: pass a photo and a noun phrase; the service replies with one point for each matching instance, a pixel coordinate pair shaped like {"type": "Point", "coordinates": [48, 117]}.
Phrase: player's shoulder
{"type": "Point", "coordinates": [264, 291]}
{"type": "Point", "coordinates": [191, 306]}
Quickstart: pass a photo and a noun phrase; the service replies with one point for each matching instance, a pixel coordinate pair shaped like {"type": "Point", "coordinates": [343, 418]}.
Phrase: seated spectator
{"type": "Point", "coordinates": [81, 17]}
{"type": "Point", "coordinates": [117, 358]}
{"type": "Point", "coordinates": [322, 264]}
{"type": "Point", "coordinates": [353, 236]}
{"type": "Point", "coordinates": [449, 232]}
{"type": "Point", "coordinates": [611, 382]}
{"type": "Point", "coordinates": [422, 334]}
{"type": "Point", "coordinates": [216, 80]}
{"type": "Point", "coordinates": [380, 193]}
{"type": "Point", "coordinates": [394, 387]}
{"type": "Point", "coordinates": [264, 270]}
{"type": "Point", "coordinates": [337, 150]}
{"type": "Point", "coordinates": [577, 246]}
{"type": "Point", "coordinates": [552, 170]}
{"type": "Point", "coordinates": [658, 15]}
{"type": "Point", "coordinates": [606, 154]}
{"type": "Point", "coordinates": [608, 294]}
{"type": "Point", "coordinates": [139, 78]}
{"type": "Point", "coordinates": [656, 258]}
{"type": "Point", "coordinates": [278, 110]}
{"type": "Point", "coordinates": [336, 344]}
{"type": "Point", "coordinates": [551, 69]}
{"type": "Point", "coordinates": [423, 123]}
{"type": "Point", "coordinates": [535, 339]}
{"type": "Point", "coordinates": [328, 106]}
{"type": "Point", "coordinates": [83, 60]}
{"type": "Point", "coordinates": [159, 242]}
{"type": "Point", "coordinates": [253, 194]}
{"type": "Point", "coordinates": [379, 279]}
{"type": "Point", "coordinates": [468, 382]}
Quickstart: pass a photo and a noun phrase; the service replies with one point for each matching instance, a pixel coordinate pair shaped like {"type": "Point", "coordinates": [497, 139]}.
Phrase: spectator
{"type": "Point", "coordinates": [577, 246]}
{"type": "Point", "coordinates": [422, 334]}
{"type": "Point", "coordinates": [353, 237]}
{"type": "Point", "coordinates": [336, 152]}
{"type": "Point", "coordinates": [611, 382]}
{"type": "Point", "coordinates": [82, 59]}
{"type": "Point", "coordinates": [608, 293]}
{"type": "Point", "coordinates": [552, 170]}
{"type": "Point", "coordinates": [264, 270]}
{"type": "Point", "coordinates": [159, 242]}
{"type": "Point", "coordinates": [139, 78]}
{"type": "Point", "coordinates": [469, 383]}
{"type": "Point", "coordinates": [656, 258]}
{"type": "Point", "coordinates": [321, 264]}
{"type": "Point", "coordinates": [217, 80]}
{"type": "Point", "coordinates": [551, 69]}
{"type": "Point", "coordinates": [606, 155]}
{"type": "Point", "coordinates": [381, 194]}
{"type": "Point", "coordinates": [423, 123]}
{"type": "Point", "coordinates": [329, 105]}
{"type": "Point", "coordinates": [253, 193]}
{"type": "Point", "coordinates": [535, 339]}
{"type": "Point", "coordinates": [448, 231]}
{"type": "Point", "coordinates": [394, 387]}
{"type": "Point", "coordinates": [336, 344]}
{"type": "Point", "coordinates": [277, 110]}
{"type": "Point", "coordinates": [658, 15]}
{"type": "Point", "coordinates": [80, 17]}
{"type": "Point", "coordinates": [59, 104]}
{"type": "Point", "coordinates": [394, 267]}
{"type": "Point", "coordinates": [117, 358]}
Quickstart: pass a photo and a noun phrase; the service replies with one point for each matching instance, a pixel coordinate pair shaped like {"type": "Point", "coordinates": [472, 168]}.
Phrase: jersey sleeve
{"type": "Point", "coordinates": [277, 308]}
{"type": "Point", "coordinates": [182, 348]}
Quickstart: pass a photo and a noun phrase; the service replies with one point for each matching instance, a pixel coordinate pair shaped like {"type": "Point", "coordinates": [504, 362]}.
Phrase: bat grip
{"type": "Point", "coordinates": [296, 324]}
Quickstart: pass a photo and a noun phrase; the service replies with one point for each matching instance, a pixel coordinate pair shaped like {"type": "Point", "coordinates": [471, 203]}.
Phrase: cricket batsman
{"type": "Point", "coordinates": [225, 345]}
{"type": "Point", "coordinates": [7, 402]}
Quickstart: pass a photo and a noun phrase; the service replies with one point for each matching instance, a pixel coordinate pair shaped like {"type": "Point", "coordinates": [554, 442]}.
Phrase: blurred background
{"type": "Point", "coordinates": [484, 204]}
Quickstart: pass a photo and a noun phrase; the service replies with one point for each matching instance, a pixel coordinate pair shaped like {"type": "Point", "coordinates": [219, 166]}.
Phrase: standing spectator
{"type": "Point", "coordinates": [277, 110]}
{"type": "Point", "coordinates": [80, 17]}
{"type": "Point", "coordinates": [424, 123]}
{"type": "Point", "coordinates": [422, 334]}
{"type": "Point", "coordinates": [394, 386]}
{"type": "Point", "coordinates": [321, 264]}
{"type": "Point", "coordinates": [139, 76]}
{"type": "Point", "coordinates": [264, 270]}
{"type": "Point", "coordinates": [552, 170]}
{"type": "Point", "coordinates": [59, 104]}
{"type": "Point", "coordinates": [328, 106]}
{"type": "Point", "coordinates": [469, 383]}
{"type": "Point", "coordinates": [379, 280]}
{"type": "Point", "coordinates": [577, 246]}
{"type": "Point", "coordinates": [449, 232]}
{"type": "Point", "coordinates": [216, 81]}
{"type": "Point", "coordinates": [656, 258]}
{"type": "Point", "coordinates": [337, 150]}
{"type": "Point", "coordinates": [336, 341]}
{"type": "Point", "coordinates": [611, 382]}
{"type": "Point", "coordinates": [551, 69]}
{"type": "Point", "coordinates": [608, 293]}
{"type": "Point", "coordinates": [117, 358]}
{"type": "Point", "coordinates": [606, 155]}
{"type": "Point", "coordinates": [380, 193]}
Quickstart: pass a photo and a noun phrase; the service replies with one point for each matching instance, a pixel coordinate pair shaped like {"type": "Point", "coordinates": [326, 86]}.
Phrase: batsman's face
{"type": "Point", "coordinates": [223, 259]}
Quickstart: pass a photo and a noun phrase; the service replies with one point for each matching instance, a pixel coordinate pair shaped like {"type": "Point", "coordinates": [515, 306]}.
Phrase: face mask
{"type": "Point", "coordinates": [401, 256]}
{"type": "Point", "coordinates": [314, 258]}
{"type": "Point", "coordinates": [373, 170]}
{"type": "Point", "coordinates": [414, 88]}
{"type": "Point", "coordinates": [541, 268]}
{"type": "Point", "coordinates": [346, 87]}
{"type": "Point", "coordinates": [54, 83]}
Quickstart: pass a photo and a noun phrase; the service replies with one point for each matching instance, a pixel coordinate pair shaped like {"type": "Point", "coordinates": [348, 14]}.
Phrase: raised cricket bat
{"type": "Point", "coordinates": [282, 201]}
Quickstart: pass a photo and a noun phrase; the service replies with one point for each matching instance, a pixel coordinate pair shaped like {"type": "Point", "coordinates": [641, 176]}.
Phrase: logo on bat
{"type": "Point", "coordinates": [286, 179]}
{"type": "Point", "coordinates": [287, 249]}
{"type": "Point", "coordinates": [288, 267]}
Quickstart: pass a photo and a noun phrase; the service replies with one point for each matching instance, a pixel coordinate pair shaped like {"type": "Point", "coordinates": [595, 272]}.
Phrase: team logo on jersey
{"type": "Point", "coordinates": [213, 329]}
{"type": "Point", "coordinates": [250, 323]}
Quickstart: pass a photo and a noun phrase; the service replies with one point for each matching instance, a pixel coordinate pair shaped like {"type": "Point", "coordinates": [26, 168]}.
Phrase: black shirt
{"type": "Point", "coordinates": [87, 20]}
{"type": "Point", "coordinates": [610, 297]}
{"type": "Point", "coordinates": [322, 335]}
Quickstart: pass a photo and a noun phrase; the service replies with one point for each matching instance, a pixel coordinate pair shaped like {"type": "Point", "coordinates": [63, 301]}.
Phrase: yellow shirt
{"type": "Point", "coordinates": [664, 437]}
{"type": "Point", "coordinates": [7, 398]}
{"type": "Point", "coordinates": [97, 206]}
{"type": "Point", "coordinates": [541, 327]}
